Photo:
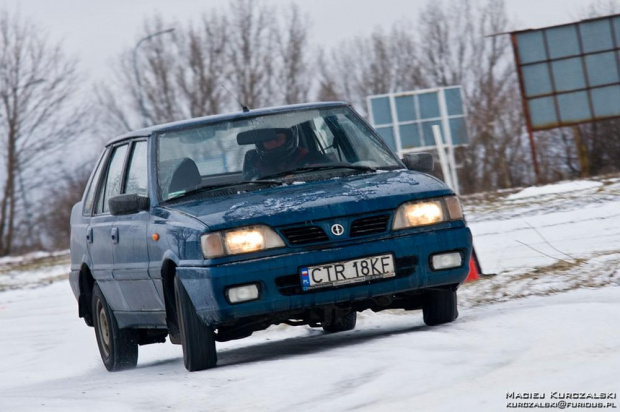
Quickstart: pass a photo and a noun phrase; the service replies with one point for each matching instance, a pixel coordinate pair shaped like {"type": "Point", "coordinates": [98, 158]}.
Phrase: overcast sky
{"type": "Point", "coordinates": [95, 31]}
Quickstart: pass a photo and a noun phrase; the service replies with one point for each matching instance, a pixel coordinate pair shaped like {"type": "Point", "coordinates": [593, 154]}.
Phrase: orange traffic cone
{"type": "Point", "coordinates": [474, 268]}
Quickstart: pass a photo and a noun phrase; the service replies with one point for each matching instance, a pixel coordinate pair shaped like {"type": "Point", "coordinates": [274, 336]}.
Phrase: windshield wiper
{"type": "Point", "coordinates": [203, 188]}
{"type": "Point", "coordinates": [306, 169]}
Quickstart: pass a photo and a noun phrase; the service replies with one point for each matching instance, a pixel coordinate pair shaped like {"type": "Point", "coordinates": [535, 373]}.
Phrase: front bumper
{"type": "Point", "coordinates": [278, 276]}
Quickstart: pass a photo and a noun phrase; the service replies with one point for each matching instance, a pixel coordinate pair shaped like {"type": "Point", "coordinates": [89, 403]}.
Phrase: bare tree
{"type": "Point", "coordinates": [155, 62]}
{"type": "Point", "coordinates": [181, 74]}
{"type": "Point", "coordinates": [203, 66]}
{"type": "Point", "coordinates": [293, 46]}
{"type": "Point", "coordinates": [495, 118]}
{"type": "Point", "coordinates": [261, 59]}
{"type": "Point", "coordinates": [447, 38]}
{"type": "Point", "coordinates": [158, 66]}
{"type": "Point", "coordinates": [383, 63]}
{"type": "Point", "coordinates": [251, 52]}
{"type": "Point", "coordinates": [459, 47]}
{"type": "Point", "coordinates": [448, 46]}
{"type": "Point", "coordinates": [37, 82]}
{"type": "Point", "coordinates": [329, 88]}
{"type": "Point", "coordinates": [403, 51]}
{"type": "Point", "coordinates": [55, 227]}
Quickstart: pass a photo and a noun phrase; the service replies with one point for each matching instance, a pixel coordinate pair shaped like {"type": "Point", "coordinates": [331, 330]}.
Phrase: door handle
{"type": "Point", "coordinates": [89, 235]}
{"type": "Point", "coordinates": [114, 235]}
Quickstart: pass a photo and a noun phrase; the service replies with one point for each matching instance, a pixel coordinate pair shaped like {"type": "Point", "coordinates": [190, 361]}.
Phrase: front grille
{"type": "Point", "coordinates": [369, 225]}
{"type": "Point", "coordinates": [291, 284]}
{"type": "Point", "coordinates": [304, 234]}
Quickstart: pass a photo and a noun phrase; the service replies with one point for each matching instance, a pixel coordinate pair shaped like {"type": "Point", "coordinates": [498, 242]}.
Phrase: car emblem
{"type": "Point", "coordinates": [337, 229]}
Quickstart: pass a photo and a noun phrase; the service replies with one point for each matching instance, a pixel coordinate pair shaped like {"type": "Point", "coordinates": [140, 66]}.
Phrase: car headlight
{"type": "Point", "coordinates": [241, 240]}
{"type": "Point", "coordinates": [427, 212]}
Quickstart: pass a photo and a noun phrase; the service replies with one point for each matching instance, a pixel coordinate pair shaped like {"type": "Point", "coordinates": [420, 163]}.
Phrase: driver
{"type": "Point", "coordinates": [277, 155]}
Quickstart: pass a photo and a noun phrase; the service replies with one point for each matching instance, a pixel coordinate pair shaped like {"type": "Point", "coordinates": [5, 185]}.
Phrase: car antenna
{"type": "Point", "coordinates": [244, 107]}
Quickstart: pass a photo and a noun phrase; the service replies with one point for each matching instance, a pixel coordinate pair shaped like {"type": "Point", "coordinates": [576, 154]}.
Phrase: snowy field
{"type": "Point", "coordinates": [516, 331]}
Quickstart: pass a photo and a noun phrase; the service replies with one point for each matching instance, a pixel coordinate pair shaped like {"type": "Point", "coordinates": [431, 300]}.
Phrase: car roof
{"type": "Point", "coordinates": [148, 131]}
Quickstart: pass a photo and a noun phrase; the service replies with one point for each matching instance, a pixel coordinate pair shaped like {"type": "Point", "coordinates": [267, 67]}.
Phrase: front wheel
{"type": "Point", "coordinates": [118, 347]}
{"type": "Point", "coordinates": [341, 323]}
{"type": "Point", "coordinates": [439, 307]}
{"type": "Point", "coordinates": [197, 338]}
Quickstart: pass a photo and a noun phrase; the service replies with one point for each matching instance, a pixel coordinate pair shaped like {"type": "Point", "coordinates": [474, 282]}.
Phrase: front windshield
{"type": "Point", "coordinates": [267, 147]}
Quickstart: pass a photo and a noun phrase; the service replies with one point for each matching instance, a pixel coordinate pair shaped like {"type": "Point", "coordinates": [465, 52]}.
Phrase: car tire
{"type": "Point", "coordinates": [440, 307]}
{"type": "Point", "coordinates": [341, 323]}
{"type": "Point", "coordinates": [118, 347]}
{"type": "Point", "coordinates": [197, 338]}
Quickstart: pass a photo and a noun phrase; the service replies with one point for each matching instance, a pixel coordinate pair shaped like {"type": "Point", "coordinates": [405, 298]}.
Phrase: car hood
{"type": "Point", "coordinates": [301, 202]}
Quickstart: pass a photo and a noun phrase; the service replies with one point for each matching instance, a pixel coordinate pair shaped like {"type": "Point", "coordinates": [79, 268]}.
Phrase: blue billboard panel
{"type": "Point", "coordinates": [573, 107]}
{"type": "Point", "coordinates": [569, 74]}
{"type": "Point", "coordinates": [602, 69]}
{"type": "Point", "coordinates": [381, 108]}
{"type": "Point", "coordinates": [458, 130]}
{"type": "Point", "coordinates": [537, 79]}
{"type": "Point", "coordinates": [405, 108]}
{"type": "Point", "coordinates": [596, 36]}
{"type": "Point", "coordinates": [563, 42]}
{"type": "Point", "coordinates": [387, 134]}
{"type": "Point", "coordinates": [410, 136]}
{"type": "Point", "coordinates": [454, 102]}
{"type": "Point", "coordinates": [543, 113]}
{"type": "Point", "coordinates": [405, 120]}
{"type": "Point", "coordinates": [429, 105]}
{"type": "Point", "coordinates": [532, 47]}
{"type": "Point", "coordinates": [606, 102]}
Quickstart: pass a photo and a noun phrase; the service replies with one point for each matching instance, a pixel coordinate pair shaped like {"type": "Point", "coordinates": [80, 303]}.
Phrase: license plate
{"type": "Point", "coordinates": [350, 271]}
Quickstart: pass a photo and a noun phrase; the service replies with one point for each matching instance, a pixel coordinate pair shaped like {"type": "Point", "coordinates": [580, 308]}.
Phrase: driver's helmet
{"type": "Point", "coordinates": [281, 147]}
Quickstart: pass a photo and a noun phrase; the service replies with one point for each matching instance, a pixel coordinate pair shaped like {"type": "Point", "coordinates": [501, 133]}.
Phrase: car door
{"type": "Point", "coordinates": [102, 230]}
{"type": "Point", "coordinates": [81, 230]}
{"type": "Point", "coordinates": [131, 259]}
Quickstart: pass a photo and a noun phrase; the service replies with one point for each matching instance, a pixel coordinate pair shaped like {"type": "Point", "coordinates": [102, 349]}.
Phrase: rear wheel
{"type": "Point", "coordinates": [197, 338]}
{"type": "Point", "coordinates": [341, 323]}
{"type": "Point", "coordinates": [440, 307]}
{"type": "Point", "coordinates": [118, 347]}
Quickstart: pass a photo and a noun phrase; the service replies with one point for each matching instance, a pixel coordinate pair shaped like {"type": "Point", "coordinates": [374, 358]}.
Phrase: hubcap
{"type": "Point", "coordinates": [103, 330]}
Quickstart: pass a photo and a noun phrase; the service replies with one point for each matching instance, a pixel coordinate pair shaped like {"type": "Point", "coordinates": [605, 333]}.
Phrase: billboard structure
{"type": "Point", "coordinates": [569, 74]}
{"type": "Point", "coordinates": [406, 121]}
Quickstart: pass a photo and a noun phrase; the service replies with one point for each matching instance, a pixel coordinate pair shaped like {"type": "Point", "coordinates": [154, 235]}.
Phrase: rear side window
{"type": "Point", "coordinates": [112, 185]}
{"type": "Point", "coordinates": [137, 174]}
{"type": "Point", "coordinates": [90, 194]}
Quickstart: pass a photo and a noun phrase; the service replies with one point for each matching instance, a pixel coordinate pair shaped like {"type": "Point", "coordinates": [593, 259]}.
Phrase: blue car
{"type": "Point", "coordinates": [209, 229]}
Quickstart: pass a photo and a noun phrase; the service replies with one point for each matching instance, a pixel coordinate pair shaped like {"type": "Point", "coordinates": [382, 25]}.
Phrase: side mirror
{"type": "Point", "coordinates": [128, 204]}
{"type": "Point", "coordinates": [421, 162]}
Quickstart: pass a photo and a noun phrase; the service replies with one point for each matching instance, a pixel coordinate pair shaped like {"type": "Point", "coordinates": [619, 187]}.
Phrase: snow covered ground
{"type": "Point", "coordinates": [556, 224]}
{"type": "Point", "coordinates": [33, 270]}
{"type": "Point", "coordinates": [542, 241]}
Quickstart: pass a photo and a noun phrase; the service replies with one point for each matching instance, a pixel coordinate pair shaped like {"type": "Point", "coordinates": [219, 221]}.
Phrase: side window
{"type": "Point", "coordinates": [137, 174]}
{"type": "Point", "coordinates": [90, 194]}
{"type": "Point", "coordinates": [112, 185]}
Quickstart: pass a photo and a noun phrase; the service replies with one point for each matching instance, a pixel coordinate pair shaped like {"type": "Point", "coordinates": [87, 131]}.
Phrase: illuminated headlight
{"type": "Point", "coordinates": [242, 240]}
{"type": "Point", "coordinates": [243, 293]}
{"type": "Point", "coordinates": [427, 212]}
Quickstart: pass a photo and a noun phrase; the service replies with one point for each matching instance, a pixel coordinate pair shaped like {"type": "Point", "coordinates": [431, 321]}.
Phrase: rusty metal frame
{"type": "Point", "coordinates": [554, 95]}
